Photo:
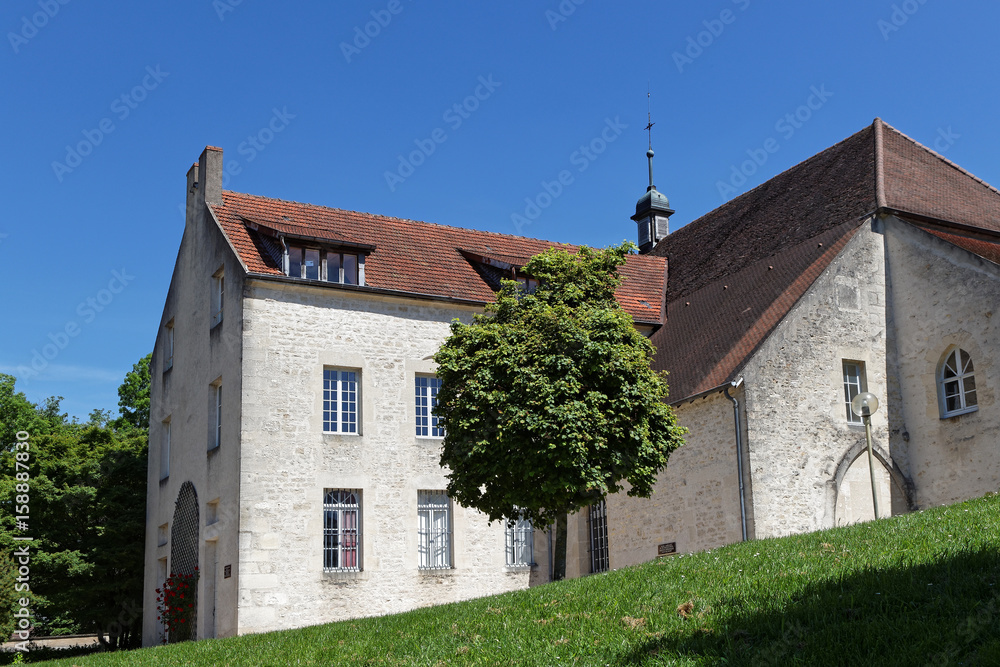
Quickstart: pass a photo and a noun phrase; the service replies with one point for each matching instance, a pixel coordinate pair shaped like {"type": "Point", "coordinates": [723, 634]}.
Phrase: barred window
{"type": "Point", "coordinates": [427, 387]}
{"type": "Point", "coordinates": [520, 543]}
{"type": "Point", "coordinates": [957, 384]}
{"type": "Point", "coordinates": [599, 537]}
{"type": "Point", "coordinates": [340, 401]}
{"type": "Point", "coordinates": [341, 530]}
{"type": "Point", "coordinates": [854, 383]}
{"type": "Point", "coordinates": [433, 529]}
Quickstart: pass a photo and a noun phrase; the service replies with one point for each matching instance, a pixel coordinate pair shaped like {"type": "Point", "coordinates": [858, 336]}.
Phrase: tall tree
{"type": "Point", "coordinates": [548, 399]}
{"type": "Point", "coordinates": [133, 395]}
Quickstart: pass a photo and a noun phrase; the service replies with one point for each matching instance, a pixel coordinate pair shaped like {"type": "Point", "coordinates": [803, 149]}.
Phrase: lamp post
{"type": "Point", "coordinates": [865, 405]}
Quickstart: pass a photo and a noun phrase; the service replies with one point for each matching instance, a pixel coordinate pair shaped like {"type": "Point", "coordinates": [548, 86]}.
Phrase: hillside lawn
{"type": "Point", "coordinates": [917, 589]}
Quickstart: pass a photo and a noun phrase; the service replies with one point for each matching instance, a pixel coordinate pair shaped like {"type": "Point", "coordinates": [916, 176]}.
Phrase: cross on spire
{"type": "Point", "coordinates": [649, 118]}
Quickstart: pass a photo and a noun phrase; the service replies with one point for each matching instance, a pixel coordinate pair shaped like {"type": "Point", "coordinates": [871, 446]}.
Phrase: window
{"type": "Point", "coordinates": [212, 512]}
{"type": "Point", "coordinates": [341, 530]}
{"type": "Point", "coordinates": [433, 530]}
{"type": "Point", "coordinates": [957, 384]}
{"type": "Point", "coordinates": [599, 537]}
{"type": "Point", "coordinates": [218, 296]}
{"type": "Point", "coordinates": [340, 401]}
{"type": "Point", "coordinates": [854, 383]}
{"type": "Point", "coordinates": [161, 535]}
{"type": "Point", "coordinates": [168, 344]}
{"type": "Point", "coordinates": [165, 451]}
{"type": "Point", "coordinates": [328, 265]}
{"type": "Point", "coordinates": [520, 543]}
{"type": "Point", "coordinates": [215, 437]}
{"type": "Point", "coordinates": [427, 387]}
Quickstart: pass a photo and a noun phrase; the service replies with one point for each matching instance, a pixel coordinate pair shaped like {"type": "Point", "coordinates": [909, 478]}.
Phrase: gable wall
{"type": "Point", "coordinates": [942, 295]}
{"type": "Point", "coordinates": [798, 435]}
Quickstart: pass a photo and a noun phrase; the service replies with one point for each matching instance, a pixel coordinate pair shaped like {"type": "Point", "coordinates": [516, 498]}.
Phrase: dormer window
{"type": "Point", "coordinates": [314, 263]}
{"type": "Point", "coordinates": [529, 285]}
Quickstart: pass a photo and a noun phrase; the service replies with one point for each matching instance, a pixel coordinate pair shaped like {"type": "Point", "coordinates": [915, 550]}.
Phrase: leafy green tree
{"type": "Point", "coordinates": [87, 513]}
{"type": "Point", "coordinates": [133, 395]}
{"type": "Point", "coordinates": [548, 400]}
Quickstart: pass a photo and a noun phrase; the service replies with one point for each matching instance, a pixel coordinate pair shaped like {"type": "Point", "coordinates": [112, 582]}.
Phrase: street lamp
{"type": "Point", "coordinates": [865, 405]}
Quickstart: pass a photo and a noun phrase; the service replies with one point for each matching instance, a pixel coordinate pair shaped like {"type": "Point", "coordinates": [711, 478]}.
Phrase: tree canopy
{"type": "Point", "coordinates": [548, 399]}
{"type": "Point", "coordinates": [87, 511]}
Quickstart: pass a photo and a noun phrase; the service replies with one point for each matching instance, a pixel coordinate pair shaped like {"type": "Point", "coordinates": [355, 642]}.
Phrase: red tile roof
{"type": "Point", "coordinates": [415, 257]}
{"type": "Point", "coordinates": [737, 271]}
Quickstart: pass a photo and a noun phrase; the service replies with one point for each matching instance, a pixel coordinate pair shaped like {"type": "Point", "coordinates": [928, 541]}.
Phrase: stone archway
{"type": "Point", "coordinates": [854, 494]}
{"type": "Point", "coordinates": [184, 540]}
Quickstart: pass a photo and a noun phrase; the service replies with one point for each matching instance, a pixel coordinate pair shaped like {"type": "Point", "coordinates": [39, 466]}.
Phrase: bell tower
{"type": "Point", "coordinates": [652, 211]}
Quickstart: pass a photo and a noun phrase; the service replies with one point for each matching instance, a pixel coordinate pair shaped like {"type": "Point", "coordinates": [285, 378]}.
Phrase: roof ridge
{"type": "Point", "coordinates": [390, 217]}
{"type": "Point", "coordinates": [879, 166]}
{"type": "Point", "coordinates": [942, 158]}
{"type": "Point", "coordinates": [772, 178]}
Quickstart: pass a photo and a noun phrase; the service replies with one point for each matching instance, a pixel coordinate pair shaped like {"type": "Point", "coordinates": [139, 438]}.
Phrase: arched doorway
{"type": "Point", "coordinates": [184, 542]}
{"type": "Point", "coordinates": [854, 495]}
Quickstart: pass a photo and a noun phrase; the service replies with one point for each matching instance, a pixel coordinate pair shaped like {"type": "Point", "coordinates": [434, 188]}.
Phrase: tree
{"type": "Point", "coordinates": [133, 395]}
{"type": "Point", "coordinates": [548, 399]}
{"type": "Point", "coordinates": [87, 513]}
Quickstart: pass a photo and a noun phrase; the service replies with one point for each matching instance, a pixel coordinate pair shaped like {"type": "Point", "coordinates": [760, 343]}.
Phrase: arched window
{"type": "Point", "coordinates": [957, 384]}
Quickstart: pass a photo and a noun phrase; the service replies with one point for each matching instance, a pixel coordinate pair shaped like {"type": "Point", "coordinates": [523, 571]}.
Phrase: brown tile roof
{"type": "Point", "coordinates": [414, 257]}
{"type": "Point", "coordinates": [737, 271]}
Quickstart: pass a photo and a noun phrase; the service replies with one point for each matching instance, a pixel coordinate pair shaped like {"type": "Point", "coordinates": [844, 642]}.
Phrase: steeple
{"type": "Point", "coordinates": [652, 211]}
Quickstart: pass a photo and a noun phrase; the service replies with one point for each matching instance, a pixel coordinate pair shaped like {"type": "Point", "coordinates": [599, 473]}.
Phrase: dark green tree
{"type": "Point", "coordinates": [133, 395]}
{"type": "Point", "coordinates": [548, 399]}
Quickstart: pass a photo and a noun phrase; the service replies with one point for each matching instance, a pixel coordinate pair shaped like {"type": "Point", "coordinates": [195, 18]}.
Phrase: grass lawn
{"type": "Point", "coordinates": [919, 589]}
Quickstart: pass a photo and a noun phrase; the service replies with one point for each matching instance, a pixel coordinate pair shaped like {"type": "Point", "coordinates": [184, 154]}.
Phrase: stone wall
{"type": "Point", "coordinates": [800, 443]}
{"type": "Point", "coordinates": [943, 296]}
{"type": "Point", "coordinates": [695, 502]}
{"type": "Point", "coordinates": [291, 333]}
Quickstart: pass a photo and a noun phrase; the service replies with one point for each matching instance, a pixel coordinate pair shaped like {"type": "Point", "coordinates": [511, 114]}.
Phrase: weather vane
{"type": "Point", "coordinates": [649, 118]}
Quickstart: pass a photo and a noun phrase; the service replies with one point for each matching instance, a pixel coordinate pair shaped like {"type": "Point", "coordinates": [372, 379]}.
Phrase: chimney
{"type": "Point", "coordinates": [210, 175]}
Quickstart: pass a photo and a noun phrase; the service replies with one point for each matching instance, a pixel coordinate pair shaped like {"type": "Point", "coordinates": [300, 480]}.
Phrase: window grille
{"type": "Point", "coordinates": [341, 530]}
{"type": "Point", "coordinates": [958, 384]}
{"type": "Point", "coordinates": [433, 530]}
{"type": "Point", "coordinates": [854, 384]}
{"type": "Point", "coordinates": [520, 543]}
{"type": "Point", "coordinates": [599, 537]}
{"type": "Point", "coordinates": [427, 388]}
{"type": "Point", "coordinates": [340, 401]}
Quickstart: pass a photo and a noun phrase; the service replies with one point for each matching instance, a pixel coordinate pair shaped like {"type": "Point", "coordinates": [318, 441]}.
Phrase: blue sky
{"type": "Point", "coordinates": [457, 113]}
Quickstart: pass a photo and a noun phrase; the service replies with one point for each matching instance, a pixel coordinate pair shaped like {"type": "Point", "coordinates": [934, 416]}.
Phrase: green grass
{"type": "Point", "coordinates": [911, 590]}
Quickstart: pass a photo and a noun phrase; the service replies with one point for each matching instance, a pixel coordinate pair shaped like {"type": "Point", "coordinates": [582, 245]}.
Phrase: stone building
{"type": "Point", "coordinates": [293, 449]}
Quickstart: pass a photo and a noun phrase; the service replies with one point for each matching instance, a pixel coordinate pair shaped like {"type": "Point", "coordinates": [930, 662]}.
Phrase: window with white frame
{"type": "Point", "coordinates": [599, 537]}
{"type": "Point", "coordinates": [957, 384]}
{"type": "Point", "coordinates": [342, 530]}
{"type": "Point", "coordinates": [215, 437]}
{"type": "Point", "coordinates": [340, 400]}
{"type": "Point", "coordinates": [315, 263]}
{"type": "Point", "coordinates": [428, 425]}
{"type": "Point", "coordinates": [218, 295]}
{"type": "Point", "coordinates": [854, 383]}
{"type": "Point", "coordinates": [520, 543]}
{"type": "Point", "coordinates": [165, 451]}
{"type": "Point", "coordinates": [168, 345]}
{"type": "Point", "coordinates": [433, 530]}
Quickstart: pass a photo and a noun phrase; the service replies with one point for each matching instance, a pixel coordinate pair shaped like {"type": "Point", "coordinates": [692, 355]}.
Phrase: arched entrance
{"type": "Point", "coordinates": [854, 495]}
{"type": "Point", "coordinates": [184, 541]}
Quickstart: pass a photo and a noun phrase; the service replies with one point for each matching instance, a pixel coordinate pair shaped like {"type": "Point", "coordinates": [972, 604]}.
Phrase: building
{"type": "Point", "coordinates": [293, 455]}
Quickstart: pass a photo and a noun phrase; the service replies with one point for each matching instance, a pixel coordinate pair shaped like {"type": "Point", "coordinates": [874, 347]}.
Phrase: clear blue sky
{"type": "Point", "coordinates": [167, 78]}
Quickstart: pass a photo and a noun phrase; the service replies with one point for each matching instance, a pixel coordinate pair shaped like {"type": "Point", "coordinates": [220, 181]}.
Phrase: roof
{"type": "Point", "coordinates": [411, 257]}
{"type": "Point", "coordinates": [737, 271]}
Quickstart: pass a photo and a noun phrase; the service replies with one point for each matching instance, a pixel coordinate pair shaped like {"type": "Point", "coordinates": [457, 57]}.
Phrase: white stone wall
{"type": "Point", "coordinates": [695, 502]}
{"type": "Point", "coordinates": [291, 332]}
{"type": "Point", "coordinates": [941, 296]}
{"type": "Point", "coordinates": [799, 439]}
{"type": "Point", "coordinates": [182, 394]}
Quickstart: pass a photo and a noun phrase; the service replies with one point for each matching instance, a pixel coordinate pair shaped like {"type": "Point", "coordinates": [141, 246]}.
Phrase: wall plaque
{"type": "Point", "coordinates": [227, 571]}
{"type": "Point", "coordinates": [666, 549]}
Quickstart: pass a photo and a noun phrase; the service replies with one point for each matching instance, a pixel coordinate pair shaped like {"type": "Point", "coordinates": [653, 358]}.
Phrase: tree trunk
{"type": "Point", "coordinates": [559, 549]}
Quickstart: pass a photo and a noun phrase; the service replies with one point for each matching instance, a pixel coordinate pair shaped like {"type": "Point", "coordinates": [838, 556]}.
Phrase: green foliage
{"type": "Point", "coordinates": [133, 395]}
{"type": "Point", "coordinates": [87, 514]}
{"type": "Point", "coordinates": [548, 400]}
{"type": "Point", "coordinates": [918, 589]}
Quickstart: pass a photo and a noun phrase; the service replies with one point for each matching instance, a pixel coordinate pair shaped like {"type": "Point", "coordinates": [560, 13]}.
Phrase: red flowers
{"type": "Point", "coordinates": [175, 605]}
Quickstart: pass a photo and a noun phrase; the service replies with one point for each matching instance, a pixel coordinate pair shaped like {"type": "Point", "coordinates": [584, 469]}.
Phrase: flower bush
{"type": "Point", "coordinates": [175, 606]}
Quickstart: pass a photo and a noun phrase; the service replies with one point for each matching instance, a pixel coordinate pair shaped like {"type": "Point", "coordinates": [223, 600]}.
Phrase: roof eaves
{"type": "Point", "coordinates": [364, 289]}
